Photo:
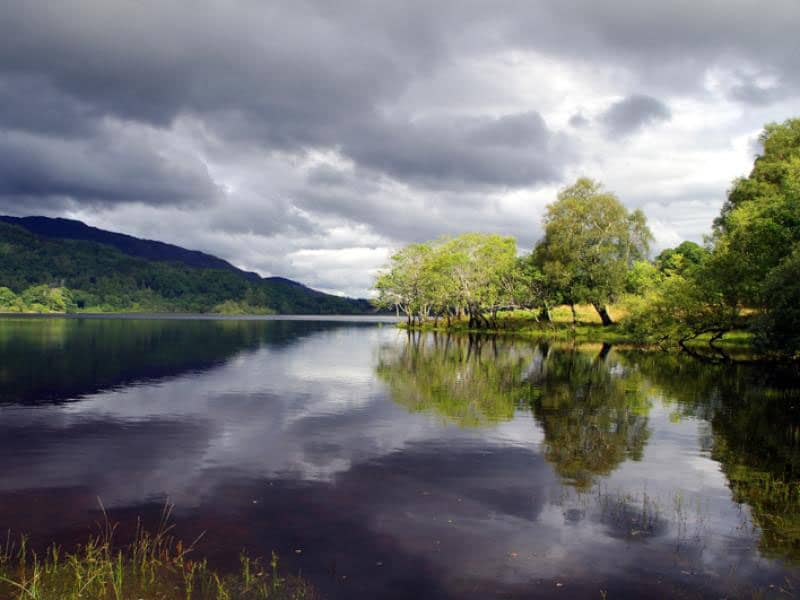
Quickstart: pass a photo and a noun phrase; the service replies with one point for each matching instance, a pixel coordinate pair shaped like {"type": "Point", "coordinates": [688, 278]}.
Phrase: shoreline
{"type": "Point", "coordinates": [202, 316]}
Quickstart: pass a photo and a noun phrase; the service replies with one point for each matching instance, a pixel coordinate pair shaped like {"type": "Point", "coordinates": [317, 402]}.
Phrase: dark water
{"type": "Point", "coordinates": [383, 466]}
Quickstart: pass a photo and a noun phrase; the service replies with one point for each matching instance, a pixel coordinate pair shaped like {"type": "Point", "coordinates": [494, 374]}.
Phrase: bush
{"type": "Point", "coordinates": [675, 312]}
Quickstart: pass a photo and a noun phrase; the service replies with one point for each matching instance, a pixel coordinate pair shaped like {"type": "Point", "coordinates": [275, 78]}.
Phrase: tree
{"type": "Point", "coordinates": [534, 288]}
{"type": "Point", "coordinates": [474, 273]}
{"type": "Point", "coordinates": [8, 299]}
{"type": "Point", "coordinates": [483, 269]}
{"type": "Point", "coordinates": [778, 328]}
{"type": "Point", "coordinates": [404, 285]}
{"type": "Point", "coordinates": [590, 242]}
{"type": "Point", "coordinates": [759, 225]}
{"type": "Point", "coordinates": [681, 260]}
{"type": "Point", "coordinates": [677, 311]}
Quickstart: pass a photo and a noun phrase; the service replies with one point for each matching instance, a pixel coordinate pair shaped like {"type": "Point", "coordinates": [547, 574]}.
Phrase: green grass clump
{"type": "Point", "coordinates": [153, 567]}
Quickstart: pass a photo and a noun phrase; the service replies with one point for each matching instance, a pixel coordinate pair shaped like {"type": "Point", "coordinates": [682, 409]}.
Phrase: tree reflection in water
{"type": "Point", "coordinates": [593, 411]}
{"type": "Point", "coordinates": [593, 402]}
{"type": "Point", "coordinates": [468, 380]}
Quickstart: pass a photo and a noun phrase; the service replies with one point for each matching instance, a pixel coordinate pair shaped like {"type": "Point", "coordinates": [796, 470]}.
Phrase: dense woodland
{"type": "Point", "coordinates": [39, 274]}
{"type": "Point", "coordinates": [746, 276]}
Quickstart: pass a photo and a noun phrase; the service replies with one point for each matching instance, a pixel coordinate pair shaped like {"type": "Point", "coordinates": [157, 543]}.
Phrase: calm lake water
{"type": "Point", "coordinates": [386, 466]}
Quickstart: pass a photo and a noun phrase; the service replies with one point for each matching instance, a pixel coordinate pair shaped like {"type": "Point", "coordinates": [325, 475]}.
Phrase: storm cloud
{"type": "Point", "coordinates": [634, 112]}
{"type": "Point", "coordinates": [292, 137]}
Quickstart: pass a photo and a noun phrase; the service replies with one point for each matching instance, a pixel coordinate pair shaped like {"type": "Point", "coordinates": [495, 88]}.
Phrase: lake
{"type": "Point", "coordinates": [383, 465]}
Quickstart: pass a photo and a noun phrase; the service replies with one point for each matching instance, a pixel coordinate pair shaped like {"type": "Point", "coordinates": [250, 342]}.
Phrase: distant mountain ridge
{"type": "Point", "coordinates": [69, 229]}
{"type": "Point", "coordinates": [114, 272]}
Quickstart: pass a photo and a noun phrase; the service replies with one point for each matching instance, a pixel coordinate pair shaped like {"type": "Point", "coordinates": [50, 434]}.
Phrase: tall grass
{"type": "Point", "coordinates": [153, 566]}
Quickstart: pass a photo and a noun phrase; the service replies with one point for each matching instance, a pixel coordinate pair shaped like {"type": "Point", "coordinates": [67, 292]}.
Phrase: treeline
{"type": "Point", "coordinates": [746, 276]}
{"type": "Point", "coordinates": [37, 299]}
{"type": "Point", "coordinates": [54, 275]}
{"type": "Point", "coordinates": [590, 245]}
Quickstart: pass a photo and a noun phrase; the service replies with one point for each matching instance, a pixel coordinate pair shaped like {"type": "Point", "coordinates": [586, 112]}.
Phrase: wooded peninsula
{"type": "Point", "coordinates": [744, 278]}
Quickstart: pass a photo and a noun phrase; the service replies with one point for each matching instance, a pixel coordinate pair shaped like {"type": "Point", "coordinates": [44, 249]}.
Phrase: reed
{"type": "Point", "coordinates": [155, 565]}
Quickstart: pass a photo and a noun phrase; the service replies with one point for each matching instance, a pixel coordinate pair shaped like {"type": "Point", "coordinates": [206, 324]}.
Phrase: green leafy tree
{"type": "Point", "coordinates": [642, 277]}
{"type": "Point", "coordinates": [590, 242]}
{"type": "Point", "coordinates": [483, 268]}
{"type": "Point", "coordinates": [759, 225]}
{"type": "Point", "coordinates": [406, 285]}
{"type": "Point", "coordinates": [8, 299]}
{"type": "Point", "coordinates": [778, 327]}
{"type": "Point", "coordinates": [474, 274]}
{"type": "Point", "coordinates": [683, 260]}
{"type": "Point", "coordinates": [534, 289]}
{"type": "Point", "coordinates": [677, 311]}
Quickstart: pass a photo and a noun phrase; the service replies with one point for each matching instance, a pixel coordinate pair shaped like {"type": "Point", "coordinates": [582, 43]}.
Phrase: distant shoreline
{"type": "Point", "coordinates": [204, 317]}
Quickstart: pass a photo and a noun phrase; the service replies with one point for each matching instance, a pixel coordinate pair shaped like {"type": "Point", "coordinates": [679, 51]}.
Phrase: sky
{"type": "Point", "coordinates": [309, 139]}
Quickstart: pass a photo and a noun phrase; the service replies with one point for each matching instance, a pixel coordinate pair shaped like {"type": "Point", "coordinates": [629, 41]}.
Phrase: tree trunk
{"type": "Point", "coordinates": [574, 314]}
{"type": "Point", "coordinates": [602, 310]}
{"type": "Point", "coordinates": [545, 315]}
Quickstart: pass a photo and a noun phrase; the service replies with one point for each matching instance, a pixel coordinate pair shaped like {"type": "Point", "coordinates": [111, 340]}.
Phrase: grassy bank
{"type": "Point", "coordinates": [152, 566]}
{"type": "Point", "coordinates": [588, 329]}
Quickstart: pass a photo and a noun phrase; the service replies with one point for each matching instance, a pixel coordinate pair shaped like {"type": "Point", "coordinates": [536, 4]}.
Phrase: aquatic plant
{"type": "Point", "coordinates": [154, 566]}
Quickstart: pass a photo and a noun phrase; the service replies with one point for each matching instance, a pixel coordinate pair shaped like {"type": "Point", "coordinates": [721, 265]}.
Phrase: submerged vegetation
{"type": "Point", "coordinates": [745, 278]}
{"type": "Point", "coordinates": [153, 565]}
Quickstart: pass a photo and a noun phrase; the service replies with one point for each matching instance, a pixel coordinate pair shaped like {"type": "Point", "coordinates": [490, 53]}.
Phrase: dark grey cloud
{"type": "Point", "coordinates": [749, 91]}
{"type": "Point", "coordinates": [114, 166]}
{"type": "Point", "coordinates": [309, 75]}
{"type": "Point", "coordinates": [31, 103]}
{"type": "Point", "coordinates": [513, 150]}
{"type": "Point", "coordinates": [312, 125]}
{"type": "Point", "coordinates": [632, 113]}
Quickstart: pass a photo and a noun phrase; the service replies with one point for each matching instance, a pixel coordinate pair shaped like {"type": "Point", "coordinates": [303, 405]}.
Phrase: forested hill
{"type": "Point", "coordinates": [60, 265]}
{"type": "Point", "coordinates": [68, 229]}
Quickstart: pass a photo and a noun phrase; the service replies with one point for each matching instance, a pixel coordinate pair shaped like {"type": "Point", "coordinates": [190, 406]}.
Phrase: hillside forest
{"type": "Point", "coordinates": [42, 274]}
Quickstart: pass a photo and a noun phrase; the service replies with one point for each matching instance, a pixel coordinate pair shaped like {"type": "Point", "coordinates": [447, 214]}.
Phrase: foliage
{"type": "Point", "coordinates": [778, 328]}
{"type": "Point", "coordinates": [590, 243]}
{"type": "Point", "coordinates": [682, 260]}
{"type": "Point", "coordinates": [49, 275]}
{"type": "Point", "coordinates": [473, 274]}
{"type": "Point", "coordinates": [750, 266]}
{"type": "Point", "coordinates": [642, 277]}
{"type": "Point", "coordinates": [152, 566]}
{"type": "Point", "coordinates": [8, 300]}
{"type": "Point", "coordinates": [759, 225]}
{"type": "Point", "coordinates": [677, 311]}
